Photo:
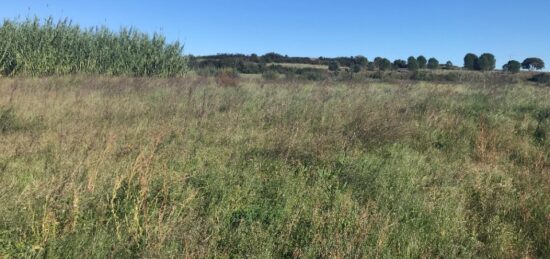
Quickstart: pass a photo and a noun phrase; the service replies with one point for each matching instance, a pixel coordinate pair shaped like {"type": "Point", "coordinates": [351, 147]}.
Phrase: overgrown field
{"type": "Point", "coordinates": [95, 167]}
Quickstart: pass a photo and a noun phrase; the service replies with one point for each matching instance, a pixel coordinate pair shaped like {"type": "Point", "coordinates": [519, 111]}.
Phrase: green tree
{"type": "Point", "coordinates": [254, 58]}
{"type": "Point", "coordinates": [449, 65]}
{"type": "Point", "coordinates": [333, 66]}
{"type": "Point", "coordinates": [422, 62]}
{"type": "Point", "coordinates": [371, 66]}
{"type": "Point", "coordinates": [487, 62]}
{"type": "Point", "coordinates": [512, 66]}
{"type": "Point", "coordinates": [412, 64]}
{"type": "Point", "coordinates": [361, 61]}
{"type": "Point", "coordinates": [399, 63]}
{"type": "Point", "coordinates": [470, 61]}
{"type": "Point", "coordinates": [384, 64]}
{"type": "Point", "coordinates": [355, 68]}
{"type": "Point", "coordinates": [532, 64]}
{"type": "Point", "coordinates": [433, 63]}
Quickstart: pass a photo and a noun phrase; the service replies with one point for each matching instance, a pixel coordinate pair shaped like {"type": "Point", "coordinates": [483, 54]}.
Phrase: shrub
{"type": "Point", "coordinates": [433, 63]}
{"type": "Point", "coordinates": [512, 66]}
{"type": "Point", "coordinates": [487, 62]}
{"type": "Point", "coordinates": [412, 64]}
{"type": "Point", "coordinates": [470, 61]}
{"type": "Point", "coordinates": [399, 63]}
{"type": "Point", "coordinates": [422, 62]}
{"type": "Point", "coordinates": [543, 78]}
{"type": "Point", "coordinates": [355, 68]}
{"type": "Point", "coordinates": [227, 78]}
{"type": "Point", "coordinates": [384, 64]}
{"type": "Point", "coordinates": [333, 66]}
{"type": "Point", "coordinates": [207, 71]}
{"type": "Point", "coordinates": [270, 75]}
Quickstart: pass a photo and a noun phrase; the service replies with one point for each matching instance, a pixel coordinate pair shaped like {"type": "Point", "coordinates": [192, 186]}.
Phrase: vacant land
{"type": "Point", "coordinates": [120, 167]}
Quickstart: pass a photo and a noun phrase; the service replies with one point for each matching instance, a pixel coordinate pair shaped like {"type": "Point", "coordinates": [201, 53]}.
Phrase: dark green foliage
{"type": "Point", "coordinates": [422, 62]}
{"type": "Point", "coordinates": [333, 66]}
{"type": "Point", "coordinates": [433, 63]}
{"type": "Point", "coordinates": [543, 78]}
{"type": "Point", "coordinates": [512, 66]}
{"type": "Point", "coordinates": [361, 61]}
{"type": "Point", "coordinates": [371, 66]}
{"type": "Point", "coordinates": [34, 47]}
{"type": "Point", "coordinates": [470, 61]}
{"type": "Point", "coordinates": [355, 68]}
{"type": "Point", "coordinates": [412, 64]}
{"type": "Point", "coordinates": [449, 65]}
{"type": "Point", "coordinates": [399, 63]}
{"type": "Point", "coordinates": [532, 64]}
{"type": "Point", "coordinates": [487, 62]}
{"type": "Point", "coordinates": [382, 64]}
{"type": "Point", "coordinates": [270, 75]}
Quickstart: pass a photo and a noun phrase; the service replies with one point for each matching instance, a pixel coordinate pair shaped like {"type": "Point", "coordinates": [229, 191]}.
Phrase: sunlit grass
{"type": "Point", "coordinates": [121, 167]}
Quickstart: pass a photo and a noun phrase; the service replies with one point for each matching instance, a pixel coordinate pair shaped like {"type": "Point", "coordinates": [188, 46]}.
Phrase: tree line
{"type": "Point", "coordinates": [252, 64]}
{"type": "Point", "coordinates": [487, 61]}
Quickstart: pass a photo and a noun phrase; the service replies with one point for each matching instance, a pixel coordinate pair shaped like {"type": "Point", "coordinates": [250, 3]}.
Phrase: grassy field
{"type": "Point", "coordinates": [96, 167]}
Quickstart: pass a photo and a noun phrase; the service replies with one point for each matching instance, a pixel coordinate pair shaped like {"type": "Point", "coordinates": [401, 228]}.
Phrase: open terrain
{"type": "Point", "coordinates": [114, 167]}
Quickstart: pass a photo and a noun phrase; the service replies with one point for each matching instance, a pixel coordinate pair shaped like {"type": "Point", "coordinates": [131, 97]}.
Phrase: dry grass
{"type": "Point", "coordinates": [135, 167]}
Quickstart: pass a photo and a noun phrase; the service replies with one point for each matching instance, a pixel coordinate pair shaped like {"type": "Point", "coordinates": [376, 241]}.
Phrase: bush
{"type": "Point", "coordinates": [207, 71]}
{"type": "Point", "coordinates": [433, 63]}
{"type": "Point", "coordinates": [487, 62]}
{"type": "Point", "coordinates": [412, 64]}
{"type": "Point", "coordinates": [333, 66]}
{"type": "Point", "coordinates": [270, 75]}
{"type": "Point", "coordinates": [312, 74]}
{"type": "Point", "coordinates": [227, 78]}
{"type": "Point", "coordinates": [542, 78]}
{"type": "Point", "coordinates": [512, 66]}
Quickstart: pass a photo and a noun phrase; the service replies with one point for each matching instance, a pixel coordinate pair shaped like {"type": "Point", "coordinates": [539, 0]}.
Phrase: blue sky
{"type": "Point", "coordinates": [445, 29]}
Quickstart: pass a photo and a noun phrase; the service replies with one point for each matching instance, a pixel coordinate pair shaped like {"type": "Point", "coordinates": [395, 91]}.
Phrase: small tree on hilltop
{"type": "Point", "coordinates": [533, 63]}
{"type": "Point", "coordinates": [449, 65]}
{"type": "Point", "coordinates": [470, 61]}
{"type": "Point", "coordinates": [433, 63]}
{"type": "Point", "coordinates": [487, 62]}
{"type": "Point", "coordinates": [512, 66]}
{"type": "Point", "coordinates": [422, 62]}
{"type": "Point", "coordinates": [412, 64]}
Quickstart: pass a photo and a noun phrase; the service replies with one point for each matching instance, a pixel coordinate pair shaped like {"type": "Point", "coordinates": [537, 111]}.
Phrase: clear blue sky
{"type": "Point", "coordinates": [445, 29]}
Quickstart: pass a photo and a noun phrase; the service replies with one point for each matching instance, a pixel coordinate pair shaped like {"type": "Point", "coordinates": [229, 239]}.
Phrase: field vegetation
{"type": "Point", "coordinates": [35, 47]}
{"type": "Point", "coordinates": [116, 167]}
{"type": "Point", "coordinates": [111, 148]}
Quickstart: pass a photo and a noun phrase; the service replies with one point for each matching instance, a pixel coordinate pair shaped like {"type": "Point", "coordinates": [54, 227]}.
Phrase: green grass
{"type": "Point", "coordinates": [134, 167]}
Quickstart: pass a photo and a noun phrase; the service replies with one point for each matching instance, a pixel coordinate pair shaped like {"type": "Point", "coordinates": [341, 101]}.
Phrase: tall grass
{"type": "Point", "coordinates": [34, 47]}
{"type": "Point", "coordinates": [101, 167]}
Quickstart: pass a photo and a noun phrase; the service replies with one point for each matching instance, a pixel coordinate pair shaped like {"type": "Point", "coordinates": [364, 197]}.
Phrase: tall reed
{"type": "Point", "coordinates": [38, 47]}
